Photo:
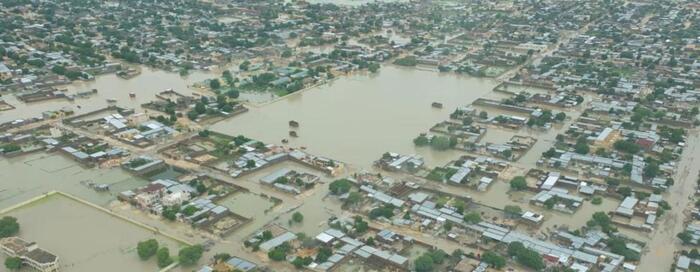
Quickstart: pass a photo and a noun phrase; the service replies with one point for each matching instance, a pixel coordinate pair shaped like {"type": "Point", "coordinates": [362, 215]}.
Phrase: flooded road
{"type": "Point", "coordinates": [660, 250]}
{"type": "Point", "coordinates": [358, 118]}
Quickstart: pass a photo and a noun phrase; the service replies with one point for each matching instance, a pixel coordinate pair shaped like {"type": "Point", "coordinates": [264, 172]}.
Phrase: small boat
{"type": "Point", "coordinates": [94, 90]}
{"type": "Point", "coordinates": [132, 94]}
{"type": "Point", "coordinates": [437, 105]}
{"type": "Point", "coordinates": [284, 141]}
{"type": "Point", "coordinates": [111, 100]}
{"type": "Point", "coordinates": [293, 133]}
{"type": "Point", "coordinates": [293, 123]}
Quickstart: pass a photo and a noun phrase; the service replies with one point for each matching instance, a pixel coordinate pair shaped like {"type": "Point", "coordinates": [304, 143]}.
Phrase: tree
{"type": "Point", "coordinates": [353, 198]}
{"type": "Point", "coordinates": [244, 66]}
{"type": "Point", "coordinates": [300, 262]}
{"type": "Point", "coordinates": [13, 263]}
{"type": "Point", "coordinates": [221, 257]}
{"type": "Point", "coordinates": [8, 226]}
{"type": "Point", "coordinates": [215, 84]}
{"type": "Point", "coordinates": [277, 254]}
{"type": "Point", "coordinates": [233, 93]}
{"type": "Point", "coordinates": [384, 211]}
{"type": "Point", "coordinates": [494, 259]}
{"type": "Point", "coordinates": [518, 183]}
{"type": "Point", "coordinates": [440, 142]}
{"type": "Point", "coordinates": [298, 217]}
{"type": "Point", "coordinates": [373, 67]}
{"type": "Point", "coordinates": [204, 133]}
{"type": "Point", "coordinates": [323, 254]}
{"type": "Point", "coordinates": [421, 140]}
{"type": "Point", "coordinates": [513, 210]}
{"type": "Point", "coordinates": [524, 256]}
{"type": "Point", "coordinates": [250, 164]}
{"type": "Point", "coordinates": [163, 256]}
{"type": "Point", "coordinates": [228, 77]}
{"type": "Point", "coordinates": [147, 248]}
{"type": "Point", "coordinates": [266, 235]}
{"type": "Point", "coordinates": [549, 153]}
{"type": "Point", "coordinates": [626, 146]}
{"type": "Point", "coordinates": [597, 200]}
{"type": "Point", "coordinates": [360, 225]}
{"type": "Point", "coordinates": [424, 264]}
{"type": "Point", "coordinates": [190, 255]}
{"type": "Point", "coordinates": [472, 218]}
{"type": "Point", "coordinates": [340, 186]}
{"type": "Point", "coordinates": [560, 116]}
{"type": "Point", "coordinates": [200, 108]}
{"type": "Point", "coordinates": [581, 146]}
{"type": "Point", "coordinates": [170, 212]}
{"type": "Point", "coordinates": [483, 115]}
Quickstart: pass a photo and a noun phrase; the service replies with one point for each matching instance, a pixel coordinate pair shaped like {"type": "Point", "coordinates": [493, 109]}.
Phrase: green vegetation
{"type": "Point", "coordinates": [300, 262]}
{"type": "Point", "coordinates": [603, 221]}
{"type": "Point", "coordinates": [386, 211]}
{"type": "Point", "coordinates": [472, 218]}
{"type": "Point", "coordinates": [626, 146]}
{"type": "Point", "coordinates": [323, 254]}
{"type": "Point", "coordinates": [8, 226]}
{"type": "Point", "coordinates": [494, 259]}
{"type": "Point", "coordinates": [163, 257]}
{"type": "Point", "coordinates": [353, 198]}
{"type": "Point", "coordinates": [421, 140]}
{"type": "Point", "coordinates": [138, 162]}
{"type": "Point", "coordinates": [518, 183]}
{"type": "Point", "coordinates": [190, 255]}
{"type": "Point", "coordinates": [297, 217]}
{"type": "Point", "coordinates": [279, 253]}
{"type": "Point", "coordinates": [440, 174]}
{"type": "Point", "coordinates": [360, 225]}
{"type": "Point", "coordinates": [406, 61]}
{"type": "Point", "coordinates": [170, 212]}
{"type": "Point", "coordinates": [9, 148]}
{"type": "Point", "coordinates": [581, 146]}
{"type": "Point", "coordinates": [513, 210]}
{"type": "Point", "coordinates": [618, 246]}
{"type": "Point", "coordinates": [340, 186]}
{"type": "Point", "coordinates": [429, 260]}
{"type": "Point", "coordinates": [597, 200]}
{"type": "Point", "coordinates": [13, 263]}
{"type": "Point", "coordinates": [525, 256]}
{"type": "Point", "coordinates": [146, 249]}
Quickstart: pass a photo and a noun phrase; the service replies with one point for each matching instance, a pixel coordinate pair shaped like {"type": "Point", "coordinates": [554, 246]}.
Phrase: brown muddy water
{"type": "Point", "coordinates": [84, 238]}
{"type": "Point", "coordinates": [357, 118]}
{"type": "Point", "coordinates": [145, 86]}
{"type": "Point", "coordinates": [25, 177]}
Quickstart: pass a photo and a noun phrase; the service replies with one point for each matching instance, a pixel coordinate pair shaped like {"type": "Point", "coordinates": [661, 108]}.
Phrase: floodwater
{"type": "Point", "coordinates": [28, 176]}
{"type": "Point", "coordinates": [84, 238]}
{"type": "Point", "coordinates": [247, 204]}
{"type": "Point", "coordinates": [356, 119]}
{"type": "Point", "coordinates": [145, 86]}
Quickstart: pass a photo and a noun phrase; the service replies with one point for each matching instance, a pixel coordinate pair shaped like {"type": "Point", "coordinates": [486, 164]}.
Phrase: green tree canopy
{"type": "Point", "coordinates": [147, 248]}
{"type": "Point", "coordinates": [8, 226]}
{"type": "Point", "coordinates": [190, 255]}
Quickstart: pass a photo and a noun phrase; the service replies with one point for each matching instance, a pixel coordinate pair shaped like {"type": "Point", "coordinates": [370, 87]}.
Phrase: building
{"type": "Point", "coordinates": [30, 253]}
{"type": "Point", "coordinates": [5, 73]}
